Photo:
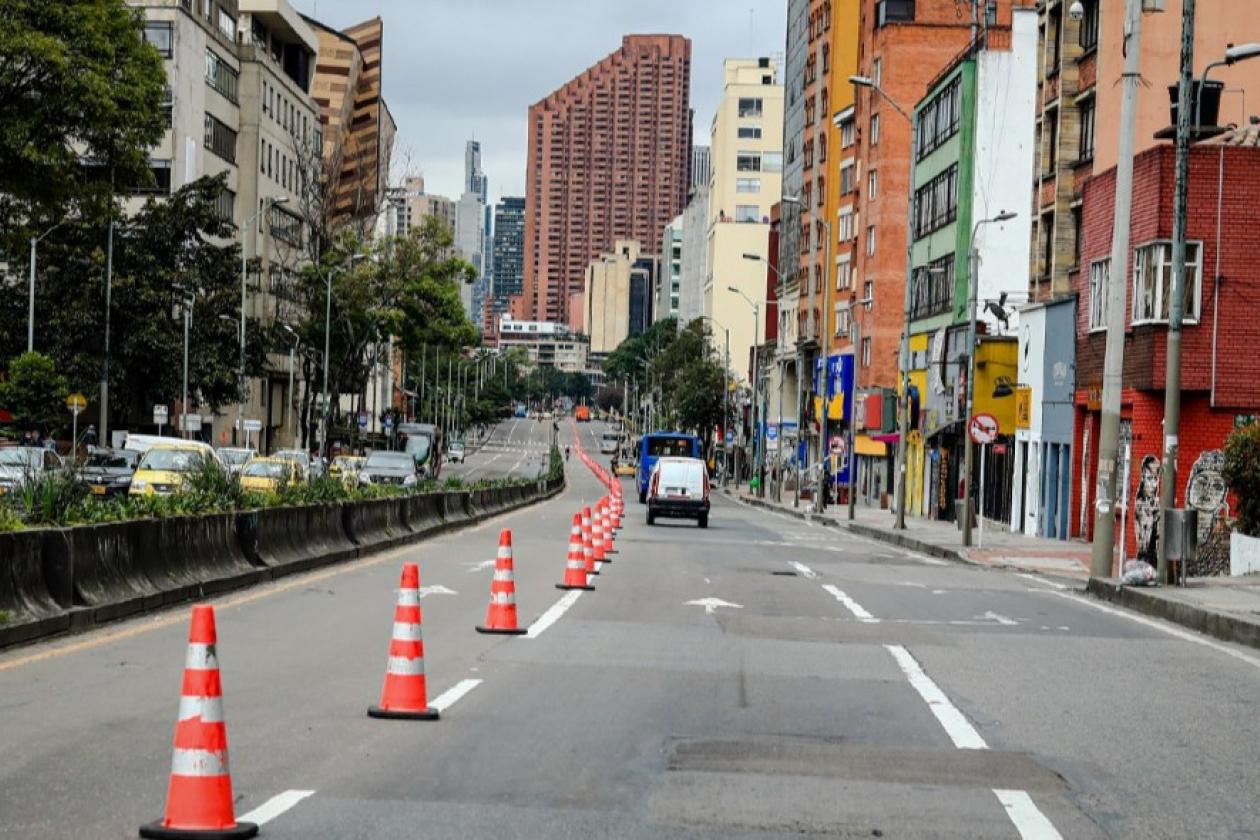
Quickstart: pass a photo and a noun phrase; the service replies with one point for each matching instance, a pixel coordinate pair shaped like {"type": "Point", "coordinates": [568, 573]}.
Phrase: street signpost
{"type": "Point", "coordinates": [190, 422]}
{"type": "Point", "coordinates": [250, 426]}
{"type": "Point", "coordinates": [76, 403]}
{"type": "Point", "coordinates": [160, 416]}
{"type": "Point", "coordinates": [983, 429]}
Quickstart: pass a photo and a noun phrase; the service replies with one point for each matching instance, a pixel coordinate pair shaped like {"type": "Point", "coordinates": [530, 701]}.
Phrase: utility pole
{"type": "Point", "coordinates": [1117, 276]}
{"type": "Point", "coordinates": [109, 283]}
{"type": "Point", "coordinates": [1176, 306]}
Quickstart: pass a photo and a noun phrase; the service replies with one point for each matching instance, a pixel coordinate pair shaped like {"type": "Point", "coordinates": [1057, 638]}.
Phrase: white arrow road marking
{"type": "Point", "coordinates": [437, 589]}
{"type": "Point", "coordinates": [1000, 619]}
{"type": "Point", "coordinates": [804, 570]}
{"type": "Point", "coordinates": [711, 604]}
{"type": "Point", "coordinates": [275, 806]}
{"type": "Point", "coordinates": [477, 567]}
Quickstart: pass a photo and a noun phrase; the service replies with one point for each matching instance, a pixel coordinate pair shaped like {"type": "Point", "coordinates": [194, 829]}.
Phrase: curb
{"type": "Point", "coordinates": [1222, 626]}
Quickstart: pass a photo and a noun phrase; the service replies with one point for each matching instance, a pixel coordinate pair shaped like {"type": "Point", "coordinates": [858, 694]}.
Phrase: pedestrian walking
{"type": "Point", "coordinates": [89, 437]}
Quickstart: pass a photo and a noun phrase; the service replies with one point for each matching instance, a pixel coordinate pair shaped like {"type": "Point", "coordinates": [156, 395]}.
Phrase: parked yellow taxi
{"type": "Point", "coordinates": [163, 467]}
{"type": "Point", "coordinates": [266, 475]}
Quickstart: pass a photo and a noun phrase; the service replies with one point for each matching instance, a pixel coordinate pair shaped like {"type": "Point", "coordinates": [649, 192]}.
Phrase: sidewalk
{"type": "Point", "coordinates": [1224, 607]}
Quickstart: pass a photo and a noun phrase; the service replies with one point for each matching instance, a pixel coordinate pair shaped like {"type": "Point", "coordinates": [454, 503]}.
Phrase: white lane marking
{"type": "Point", "coordinates": [911, 583]}
{"type": "Point", "coordinates": [477, 567]}
{"type": "Point", "coordinates": [275, 806]}
{"type": "Point", "coordinates": [804, 570]}
{"type": "Point", "coordinates": [1029, 821]}
{"type": "Point", "coordinates": [1000, 619]}
{"type": "Point", "coordinates": [449, 697]}
{"type": "Point", "coordinates": [1059, 586]}
{"type": "Point", "coordinates": [436, 589]}
{"type": "Point", "coordinates": [711, 604]}
{"type": "Point", "coordinates": [553, 613]}
{"type": "Point", "coordinates": [852, 606]}
{"type": "Point", "coordinates": [956, 725]}
{"type": "Point", "coordinates": [1184, 635]}
{"type": "Point", "coordinates": [931, 561]}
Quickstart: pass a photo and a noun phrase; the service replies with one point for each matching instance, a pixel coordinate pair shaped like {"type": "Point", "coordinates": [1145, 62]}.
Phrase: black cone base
{"type": "Point", "coordinates": [400, 714]}
{"type": "Point", "coordinates": [587, 588]}
{"type": "Point", "coordinates": [160, 832]}
{"type": "Point", "coordinates": [503, 631]}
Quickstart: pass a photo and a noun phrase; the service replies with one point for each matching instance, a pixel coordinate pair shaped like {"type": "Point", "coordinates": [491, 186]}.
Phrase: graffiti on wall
{"type": "Point", "coordinates": [1207, 493]}
{"type": "Point", "coordinates": [1146, 510]}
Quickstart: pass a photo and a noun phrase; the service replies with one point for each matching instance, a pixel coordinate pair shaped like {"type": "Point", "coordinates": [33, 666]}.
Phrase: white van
{"type": "Point", "coordinates": [679, 489]}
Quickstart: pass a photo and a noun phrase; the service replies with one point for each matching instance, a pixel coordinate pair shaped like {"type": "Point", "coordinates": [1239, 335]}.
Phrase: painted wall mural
{"type": "Point", "coordinates": [1207, 493]}
{"type": "Point", "coordinates": [1146, 510]}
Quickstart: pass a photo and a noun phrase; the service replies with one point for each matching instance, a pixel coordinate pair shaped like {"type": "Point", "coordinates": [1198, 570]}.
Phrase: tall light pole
{"type": "Point", "coordinates": [109, 283]}
{"type": "Point", "coordinates": [973, 287]}
{"type": "Point", "coordinates": [30, 314]}
{"type": "Point", "coordinates": [187, 296]}
{"type": "Point", "coordinates": [852, 453]}
{"type": "Point", "coordinates": [778, 485]}
{"type": "Point", "coordinates": [755, 382]}
{"type": "Point", "coordinates": [249, 225]}
{"type": "Point", "coordinates": [903, 413]}
{"type": "Point", "coordinates": [726, 391]}
{"type": "Point", "coordinates": [288, 399]}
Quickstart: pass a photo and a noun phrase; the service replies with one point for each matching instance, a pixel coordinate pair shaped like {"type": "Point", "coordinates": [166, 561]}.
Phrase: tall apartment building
{"type": "Point", "coordinates": [608, 159]}
{"type": "Point", "coordinates": [747, 148]}
{"type": "Point", "coordinates": [668, 285]}
{"type": "Point", "coordinates": [469, 240]}
{"type": "Point", "coordinates": [507, 259]}
{"type": "Point", "coordinates": [1080, 69]}
{"type": "Point", "coordinates": [616, 297]}
{"type": "Point", "coordinates": [695, 256]}
{"type": "Point", "coordinates": [701, 167]}
{"type": "Point", "coordinates": [358, 130]}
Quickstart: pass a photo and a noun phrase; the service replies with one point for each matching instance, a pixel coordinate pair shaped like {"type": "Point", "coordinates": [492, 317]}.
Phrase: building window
{"type": "Point", "coordinates": [939, 119]}
{"type": "Point", "coordinates": [168, 106]}
{"type": "Point", "coordinates": [1087, 130]}
{"type": "Point", "coordinates": [1099, 272]}
{"type": "Point", "coordinates": [747, 213]}
{"type": "Point", "coordinates": [748, 185]}
{"type": "Point", "coordinates": [771, 161]}
{"type": "Point", "coordinates": [1077, 220]}
{"type": "Point", "coordinates": [847, 133]}
{"type": "Point", "coordinates": [877, 72]}
{"type": "Point", "coordinates": [866, 352]}
{"type": "Point", "coordinates": [286, 226]}
{"type": "Point", "coordinates": [936, 203]}
{"type": "Point", "coordinates": [822, 190]}
{"type": "Point", "coordinates": [750, 107]}
{"type": "Point", "coordinates": [870, 241]}
{"type": "Point", "coordinates": [822, 148]}
{"type": "Point", "coordinates": [932, 288]}
{"type": "Point", "coordinates": [1089, 26]}
{"type": "Point", "coordinates": [220, 139]}
{"type": "Point", "coordinates": [846, 178]}
{"type": "Point", "coordinates": [749, 132]}
{"type": "Point", "coordinates": [846, 225]}
{"type": "Point", "coordinates": [1152, 281]}
{"type": "Point", "coordinates": [748, 162]}
{"type": "Point", "coordinates": [874, 129]}
{"type": "Point", "coordinates": [868, 293]}
{"type": "Point", "coordinates": [159, 34]}
{"type": "Point", "coordinates": [161, 171]}
{"type": "Point", "coordinates": [227, 24]}
{"type": "Point", "coordinates": [221, 77]}
{"type": "Point", "coordinates": [225, 205]}
{"type": "Point", "coordinates": [872, 185]}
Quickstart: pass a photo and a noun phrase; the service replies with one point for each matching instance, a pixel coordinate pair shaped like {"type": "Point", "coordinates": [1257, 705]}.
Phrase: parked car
{"type": "Point", "coordinates": [300, 457]}
{"type": "Point", "coordinates": [108, 472]}
{"type": "Point", "coordinates": [383, 467]}
{"type": "Point", "coordinates": [266, 475]}
{"type": "Point", "coordinates": [679, 489]}
{"type": "Point", "coordinates": [346, 468]}
{"type": "Point", "coordinates": [164, 466]}
{"type": "Point", "coordinates": [456, 453]}
{"type": "Point", "coordinates": [20, 464]}
{"type": "Point", "coordinates": [234, 457]}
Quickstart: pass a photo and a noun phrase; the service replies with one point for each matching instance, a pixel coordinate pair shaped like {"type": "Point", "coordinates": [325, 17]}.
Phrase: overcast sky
{"type": "Point", "coordinates": [457, 69]}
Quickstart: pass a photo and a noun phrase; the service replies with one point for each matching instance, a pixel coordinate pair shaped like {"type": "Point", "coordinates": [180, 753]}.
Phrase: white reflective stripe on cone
{"type": "Point", "coordinates": [209, 709]}
{"type": "Point", "coordinates": [408, 598]}
{"type": "Point", "coordinates": [199, 763]}
{"type": "Point", "coordinates": [504, 551]}
{"type": "Point", "coordinates": [201, 657]}
{"type": "Point", "coordinates": [502, 575]}
{"type": "Point", "coordinates": [575, 564]}
{"type": "Point", "coordinates": [503, 598]}
{"type": "Point", "coordinates": [403, 667]}
{"type": "Point", "coordinates": [405, 631]}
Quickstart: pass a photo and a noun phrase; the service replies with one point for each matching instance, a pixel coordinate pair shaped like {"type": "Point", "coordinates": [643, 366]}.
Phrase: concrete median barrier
{"type": "Point", "coordinates": [29, 609]}
{"type": "Point", "coordinates": [424, 513]}
{"type": "Point", "coordinates": [375, 524]}
{"type": "Point", "coordinates": [293, 539]}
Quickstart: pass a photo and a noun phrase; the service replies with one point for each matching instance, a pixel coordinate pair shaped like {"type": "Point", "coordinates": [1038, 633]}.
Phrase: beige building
{"type": "Point", "coordinates": [746, 180]}
{"type": "Point", "coordinates": [547, 344]}
{"type": "Point", "coordinates": [606, 296]}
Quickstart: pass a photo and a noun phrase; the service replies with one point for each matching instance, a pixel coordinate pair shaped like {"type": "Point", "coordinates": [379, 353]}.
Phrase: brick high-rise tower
{"type": "Point", "coordinates": [609, 159]}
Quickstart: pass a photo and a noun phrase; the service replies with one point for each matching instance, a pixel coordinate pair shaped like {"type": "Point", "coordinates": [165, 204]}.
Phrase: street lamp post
{"type": "Point", "coordinates": [903, 413]}
{"type": "Point", "coordinates": [755, 382]}
{"type": "Point", "coordinates": [249, 225]}
{"type": "Point", "coordinates": [30, 314]}
{"type": "Point", "coordinates": [973, 286]}
{"type": "Point", "coordinates": [288, 400]}
{"type": "Point", "coordinates": [852, 453]}
{"type": "Point", "coordinates": [778, 485]}
{"type": "Point", "coordinates": [726, 392]}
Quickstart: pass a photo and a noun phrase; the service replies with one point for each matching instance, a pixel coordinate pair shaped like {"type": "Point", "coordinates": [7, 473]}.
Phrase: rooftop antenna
{"type": "Point", "coordinates": [752, 31]}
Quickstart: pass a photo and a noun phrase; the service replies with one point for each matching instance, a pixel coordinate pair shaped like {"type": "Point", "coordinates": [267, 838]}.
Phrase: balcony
{"type": "Point", "coordinates": [894, 11]}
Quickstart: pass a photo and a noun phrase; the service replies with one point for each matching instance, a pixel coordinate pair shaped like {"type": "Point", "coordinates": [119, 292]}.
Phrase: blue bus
{"type": "Point", "coordinates": [657, 444]}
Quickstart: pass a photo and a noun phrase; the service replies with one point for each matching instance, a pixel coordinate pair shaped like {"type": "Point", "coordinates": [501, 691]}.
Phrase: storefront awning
{"type": "Point", "coordinates": [864, 445]}
{"type": "Point", "coordinates": [892, 438]}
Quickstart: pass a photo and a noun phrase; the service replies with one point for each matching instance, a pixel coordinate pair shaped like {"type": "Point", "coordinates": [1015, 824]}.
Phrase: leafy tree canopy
{"type": "Point", "coordinates": [34, 393]}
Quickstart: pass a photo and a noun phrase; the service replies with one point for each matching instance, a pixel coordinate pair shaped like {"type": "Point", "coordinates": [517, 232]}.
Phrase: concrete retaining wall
{"type": "Point", "coordinates": [57, 579]}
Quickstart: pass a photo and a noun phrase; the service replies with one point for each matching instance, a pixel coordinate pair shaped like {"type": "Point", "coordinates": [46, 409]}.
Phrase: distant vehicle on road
{"type": "Point", "coordinates": [420, 440]}
{"type": "Point", "coordinates": [264, 475]}
{"type": "Point", "coordinates": [346, 468]}
{"type": "Point", "coordinates": [609, 443]}
{"type": "Point", "coordinates": [455, 454]}
{"type": "Point", "coordinates": [235, 457]}
{"type": "Point", "coordinates": [679, 489]}
{"type": "Point", "coordinates": [20, 464]}
{"type": "Point", "coordinates": [656, 445]}
{"type": "Point", "coordinates": [521, 410]}
{"type": "Point", "coordinates": [108, 472]}
{"type": "Point", "coordinates": [164, 466]}
{"type": "Point", "coordinates": [384, 467]}
{"type": "Point", "coordinates": [582, 414]}
{"type": "Point", "coordinates": [300, 457]}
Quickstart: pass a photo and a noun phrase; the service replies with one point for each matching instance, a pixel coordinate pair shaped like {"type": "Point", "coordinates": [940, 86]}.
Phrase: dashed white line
{"type": "Point", "coordinates": [449, 697]}
{"type": "Point", "coordinates": [956, 725]}
{"type": "Point", "coordinates": [553, 613]}
{"type": "Point", "coordinates": [275, 806]}
{"type": "Point", "coordinates": [1184, 635]}
{"type": "Point", "coordinates": [1029, 821]}
{"type": "Point", "coordinates": [805, 571]}
{"type": "Point", "coordinates": [852, 606]}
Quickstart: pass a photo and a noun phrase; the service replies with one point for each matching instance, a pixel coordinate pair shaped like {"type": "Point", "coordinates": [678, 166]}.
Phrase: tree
{"type": "Point", "coordinates": [34, 393]}
{"type": "Point", "coordinates": [610, 397]}
{"type": "Point", "coordinates": [78, 82]}
{"type": "Point", "coordinates": [1242, 475]}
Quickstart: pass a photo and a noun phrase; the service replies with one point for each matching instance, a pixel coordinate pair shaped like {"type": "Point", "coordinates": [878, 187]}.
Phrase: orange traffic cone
{"type": "Point", "coordinates": [199, 797]}
{"type": "Point", "coordinates": [575, 564]}
{"type": "Point", "coordinates": [588, 546]}
{"type": "Point", "coordinates": [597, 533]}
{"type": "Point", "coordinates": [403, 695]}
{"type": "Point", "coordinates": [608, 532]}
{"type": "Point", "coordinates": [501, 614]}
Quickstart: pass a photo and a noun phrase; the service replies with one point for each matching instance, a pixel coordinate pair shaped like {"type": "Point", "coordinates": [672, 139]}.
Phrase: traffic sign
{"type": "Point", "coordinates": [252, 425]}
{"type": "Point", "coordinates": [983, 429]}
{"type": "Point", "coordinates": [730, 436]}
{"type": "Point", "coordinates": [772, 432]}
{"type": "Point", "coordinates": [363, 419]}
{"type": "Point", "coordinates": [837, 445]}
{"type": "Point", "coordinates": [76, 403]}
{"type": "Point", "coordinates": [191, 422]}
{"type": "Point", "coordinates": [389, 422]}
{"type": "Point", "coordinates": [160, 415]}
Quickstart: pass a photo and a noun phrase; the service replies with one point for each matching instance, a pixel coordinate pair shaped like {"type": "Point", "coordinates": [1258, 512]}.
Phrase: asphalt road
{"type": "Point", "coordinates": [841, 688]}
{"type": "Point", "coordinates": [517, 447]}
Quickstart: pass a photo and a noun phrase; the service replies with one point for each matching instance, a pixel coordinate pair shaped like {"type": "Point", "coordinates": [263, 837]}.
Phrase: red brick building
{"type": "Point", "coordinates": [1221, 333]}
{"type": "Point", "coordinates": [609, 158]}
